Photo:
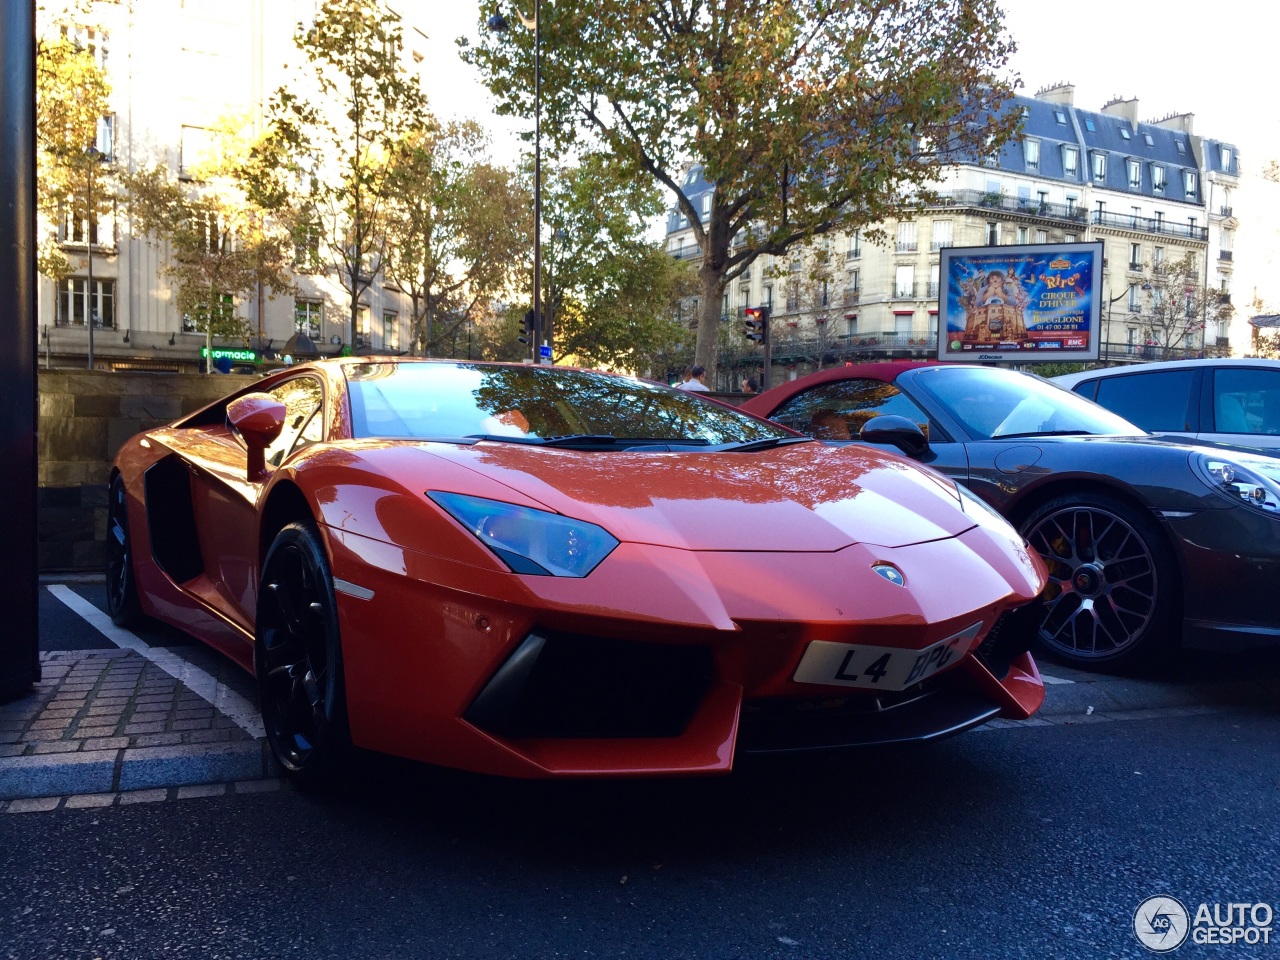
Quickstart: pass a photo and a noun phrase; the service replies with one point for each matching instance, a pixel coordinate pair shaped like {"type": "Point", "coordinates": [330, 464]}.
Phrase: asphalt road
{"type": "Point", "coordinates": [1010, 841]}
{"type": "Point", "coordinates": [1017, 842]}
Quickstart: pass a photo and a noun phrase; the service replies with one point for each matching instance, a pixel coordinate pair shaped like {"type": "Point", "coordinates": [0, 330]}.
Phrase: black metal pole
{"type": "Point", "coordinates": [19, 640]}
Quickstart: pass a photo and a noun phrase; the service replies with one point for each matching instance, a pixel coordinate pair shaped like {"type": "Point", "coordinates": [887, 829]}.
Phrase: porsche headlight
{"type": "Point", "coordinates": [530, 541]}
{"type": "Point", "coordinates": [1251, 480]}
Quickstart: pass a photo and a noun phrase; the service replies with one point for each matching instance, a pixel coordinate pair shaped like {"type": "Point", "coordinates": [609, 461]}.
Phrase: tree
{"type": "Point", "coordinates": [338, 151]}
{"type": "Point", "coordinates": [610, 292]}
{"type": "Point", "coordinates": [808, 116]}
{"type": "Point", "coordinates": [72, 96]}
{"type": "Point", "coordinates": [457, 228]}
{"type": "Point", "coordinates": [220, 244]}
{"type": "Point", "coordinates": [1179, 307]}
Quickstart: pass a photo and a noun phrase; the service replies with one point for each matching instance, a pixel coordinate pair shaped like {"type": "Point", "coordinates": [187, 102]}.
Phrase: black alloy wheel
{"type": "Point", "coordinates": [122, 588]}
{"type": "Point", "coordinates": [298, 657]}
{"type": "Point", "coordinates": [1111, 602]}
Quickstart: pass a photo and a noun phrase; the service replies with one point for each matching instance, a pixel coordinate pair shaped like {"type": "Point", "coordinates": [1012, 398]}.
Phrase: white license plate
{"type": "Point", "coordinates": [880, 668]}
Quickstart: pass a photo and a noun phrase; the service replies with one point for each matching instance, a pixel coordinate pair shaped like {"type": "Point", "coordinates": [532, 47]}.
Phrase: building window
{"type": "Point", "coordinates": [1100, 166]}
{"type": "Point", "coordinates": [306, 245]}
{"type": "Point", "coordinates": [1157, 255]}
{"type": "Point", "coordinates": [706, 206]}
{"type": "Point", "coordinates": [193, 148]}
{"type": "Point", "coordinates": [941, 234]}
{"type": "Point", "coordinates": [855, 245]}
{"type": "Point", "coordinates": [1146, 138]}
{"type": "Point", "coordinates": [906, 236]}
{"type": "Point", "coordinates": [224, 309]}
{"type": "Point", "coordinates": [1124, 133]}
{"type": "Point", "coordinates": [1042, 236]}
{"type": "Point", "coordinates": [1159, 219]}
{"type": "Point", "coordinates": [1182, 147]}
{"type": "Point", "coordinates": [1023, 234]}
{"type": "Point", "coordinates": [1135, 256]}
{"type": "Point", "coordinates": [1224, 155]}
{"type": "Point", "coordinates": [993, 233]}
{"type": "Point", "coordinates": [390, 330]}
{"type": "Point", "coordinates": [75, 226]}
{"type": "Point", "coordinates": [73, 297]}
{"type": "Point", "coordinates": [1100, 208]}
{"type": "Point", "coordinates": [1070, 161]}
{"type": "Point", "coordinates": [307, 315]}
{"type": "Point", "coordinates": [208, 233]}
{"type": "Point", "coordinates": [1135, 216]}
{"type": "Point", "coordinates": [1031, 153]}
{"type": "Point", "coordinates": [1060, 116]}
{"type": "Point", "coordinates": [1070, 238]}
{"type": "Point", "coordinates": [1088, 125]}
{"type": "Point", "coordinates": [905, 281]}
{"type": "Point", "coordinates": [1134, 305]}
{"type": "Point", "coordinates": [362, 327]}
{"type": "Point", "coordinates": [1189, 181]}
{"type": "Point", "coordinates": [1157, 178]}
{"type": "Point", "coordinates": [1135, 173]}
{"type": "Point", "coordinates": [90, 39]}
{"type": "Point", "coordinates": [106, 139]}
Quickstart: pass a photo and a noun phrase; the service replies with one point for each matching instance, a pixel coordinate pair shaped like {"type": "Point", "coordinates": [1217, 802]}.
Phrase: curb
{"type": "Point", "coordinates": [132, 768]}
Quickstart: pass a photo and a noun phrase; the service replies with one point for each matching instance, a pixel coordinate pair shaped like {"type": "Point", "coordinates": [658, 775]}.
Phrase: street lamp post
{"type": "Point", "coordinates": [1106, 338]}
{"type": "Point", "coordinates": [93, 156]}
{"type": "Point", "coordinates": [498, 24]}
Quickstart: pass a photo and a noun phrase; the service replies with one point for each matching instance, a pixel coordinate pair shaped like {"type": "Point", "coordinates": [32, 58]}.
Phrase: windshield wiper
{"type": "Point", "coordinates": [589, 440]}
{"type": "Point", "coordinates": [764, 443]}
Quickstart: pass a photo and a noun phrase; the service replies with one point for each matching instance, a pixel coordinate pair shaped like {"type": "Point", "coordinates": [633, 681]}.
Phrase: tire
{"type": "Point", "coordinates": [298, 659]}
{"type": "Point", "coordinates": [123, 605]}
{"type": "Point", "coordinates": [1112, 599]}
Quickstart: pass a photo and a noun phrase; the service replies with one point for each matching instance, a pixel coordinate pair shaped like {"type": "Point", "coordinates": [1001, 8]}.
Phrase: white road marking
{"type": "Point", "coordinates": [225, 700]}
{"type": "Point", "coordinates": [1048, 679]}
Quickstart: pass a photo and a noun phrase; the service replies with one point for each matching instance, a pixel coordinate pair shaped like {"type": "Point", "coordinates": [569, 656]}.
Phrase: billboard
{"type": "Point", "coordinates": [1024, 304]}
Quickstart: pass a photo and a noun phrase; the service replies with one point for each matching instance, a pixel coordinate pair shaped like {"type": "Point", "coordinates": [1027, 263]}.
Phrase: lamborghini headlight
{"type": "Point", "coordinates": [1248, 479]}
{"type": "Point", "coordinates": [530, 541]}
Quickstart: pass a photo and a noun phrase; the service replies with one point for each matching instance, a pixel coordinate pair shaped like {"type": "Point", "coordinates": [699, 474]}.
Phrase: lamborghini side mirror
{"type": "Point", "coordinates": [259, 417]}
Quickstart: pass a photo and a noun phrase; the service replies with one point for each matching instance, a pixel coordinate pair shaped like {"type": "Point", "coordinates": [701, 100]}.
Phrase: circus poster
{"type": "Point", "coordinates": [1022, 304]}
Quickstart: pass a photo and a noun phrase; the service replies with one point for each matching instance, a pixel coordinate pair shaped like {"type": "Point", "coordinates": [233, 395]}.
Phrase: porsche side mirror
{"type": "Point", "coordinates": [259, 417]}
{"type": "Point", "coordinates": [897, 431]}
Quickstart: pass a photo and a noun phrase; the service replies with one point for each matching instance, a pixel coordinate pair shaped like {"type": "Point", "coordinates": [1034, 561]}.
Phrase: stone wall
{"type": "Point", "coordinates": [84, 417]}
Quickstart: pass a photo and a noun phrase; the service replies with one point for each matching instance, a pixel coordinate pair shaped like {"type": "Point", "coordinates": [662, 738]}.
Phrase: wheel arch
{"type": "Point", "coordinates": [286, 504]}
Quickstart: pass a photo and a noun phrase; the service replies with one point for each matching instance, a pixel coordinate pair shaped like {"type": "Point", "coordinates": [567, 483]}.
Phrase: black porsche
{"type": "Point", "coordinates": [1149, 542]}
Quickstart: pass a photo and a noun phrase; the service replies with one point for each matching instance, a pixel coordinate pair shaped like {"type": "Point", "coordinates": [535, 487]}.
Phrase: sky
{"type": "Point", "coordinates": [1175, 56]}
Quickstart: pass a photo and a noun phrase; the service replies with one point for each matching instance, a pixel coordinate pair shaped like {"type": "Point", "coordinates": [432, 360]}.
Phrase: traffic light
{"type": "Point", "coordinates": [757, 324]}
{"type": "Point", "coordinates": [530, 334]}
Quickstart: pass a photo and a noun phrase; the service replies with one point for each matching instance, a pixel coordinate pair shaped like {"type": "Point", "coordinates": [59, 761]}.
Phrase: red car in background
{"type": "Point", "coordinates": [538, 572]}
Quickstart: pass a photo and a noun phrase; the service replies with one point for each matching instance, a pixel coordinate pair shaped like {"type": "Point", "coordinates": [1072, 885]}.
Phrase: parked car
{"type": "Point", "coordinates": [1148, 541]}
{"type": "Point", "coordinates": [539, 572]}
{"type": "Point", "coordinates": [1228, 400]}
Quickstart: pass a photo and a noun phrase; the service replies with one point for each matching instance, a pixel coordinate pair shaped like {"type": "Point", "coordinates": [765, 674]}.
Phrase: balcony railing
{"type": "Point", "coordinates": [904, 291]}
{"type": "Point", "coordinates": [906, 247]}
{"type": "Point", "coordinates": [1018, 205]}
{"type": "Point", "coordinates": [852, 346]}
{"type": "Point", "coordinates": [1224, 254]}
{"type": "Point", "coordinates": [851, 297]}
{"type": "Point", "coordinates": [933, 292]}
{"type": "Point", "coordinates": [937, 245]}
{"type": "Point", "coordinates": [1127, 221]}
{"type": "Point", "coordinates": [1224, 211]}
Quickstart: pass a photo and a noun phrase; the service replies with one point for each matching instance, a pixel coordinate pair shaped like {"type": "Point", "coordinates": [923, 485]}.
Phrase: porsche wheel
{"type": "Point", "coordinates": [122, 589]}
{"type": "Point", "coordinates": [1111, 600]}
{"type": "Point", "coordinates": [299, 657]}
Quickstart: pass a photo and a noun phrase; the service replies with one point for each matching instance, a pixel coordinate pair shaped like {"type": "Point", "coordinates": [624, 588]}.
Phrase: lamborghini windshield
{"type": "Point", "coordinates": [434, 400]}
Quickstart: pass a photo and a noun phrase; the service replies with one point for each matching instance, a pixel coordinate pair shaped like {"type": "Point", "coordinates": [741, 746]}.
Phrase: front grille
{"type": "Point", "coordinates": [562, 685]}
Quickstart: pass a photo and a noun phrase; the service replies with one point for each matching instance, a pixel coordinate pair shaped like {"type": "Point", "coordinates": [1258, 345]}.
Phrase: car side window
{"type": "Point", "coordinates": [1155, 401]}
{"type": "Point", "coordinates": [1246, 400]}
{"type": "Point", "coordinates": [303, 401]}
{"type": "Point", "coordinates": [838, 410]}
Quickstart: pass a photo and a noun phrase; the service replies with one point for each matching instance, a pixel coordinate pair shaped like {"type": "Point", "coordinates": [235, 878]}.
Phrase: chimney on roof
{"type": "Point", "coordinates": [1184, 122]}
{"type": "Point", "coordinates": [1060, 93]}
{"type": "Point", "coordinates": [1125, 109]}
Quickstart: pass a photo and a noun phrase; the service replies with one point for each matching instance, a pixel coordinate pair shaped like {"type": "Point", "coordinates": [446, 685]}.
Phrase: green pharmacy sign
{"type": "Point", "coordinates": [239, 356]}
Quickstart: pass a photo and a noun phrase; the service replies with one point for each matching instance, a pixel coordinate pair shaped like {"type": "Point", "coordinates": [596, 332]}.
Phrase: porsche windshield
{"type": "Point", "coordinates": [992, 403]}
{"type": "Point", "coordinates": [426, 400]}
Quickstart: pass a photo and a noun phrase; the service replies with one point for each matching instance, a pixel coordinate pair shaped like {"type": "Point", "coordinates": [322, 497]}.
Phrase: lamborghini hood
{"type": "Point", "coordinates": [802, 497]}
